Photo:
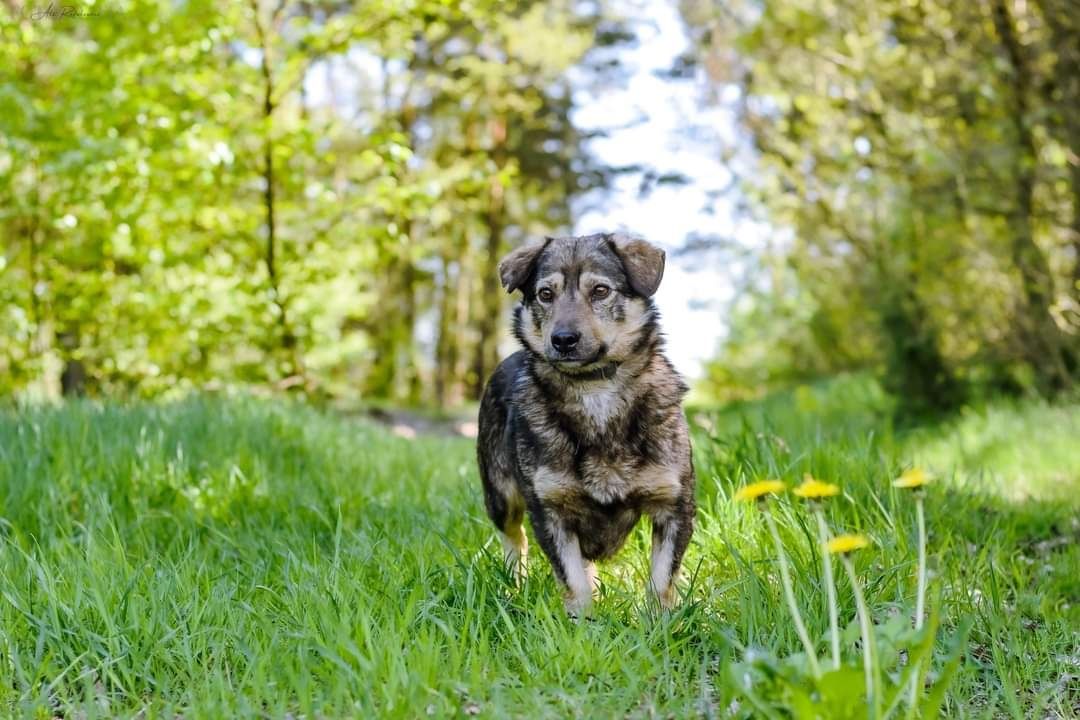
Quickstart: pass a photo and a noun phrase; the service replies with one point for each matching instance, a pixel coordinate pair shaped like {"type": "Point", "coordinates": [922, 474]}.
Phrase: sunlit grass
{"type": "Point", "coordinates": [236, 557]}
{"type": "Point", "coordinates": [1019, 450]}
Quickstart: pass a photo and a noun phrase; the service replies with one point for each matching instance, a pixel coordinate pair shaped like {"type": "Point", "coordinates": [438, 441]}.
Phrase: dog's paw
{"type": "Point", "coordinates": [667, 598]}
{"type": "Point", "coordinates": [578, 606]}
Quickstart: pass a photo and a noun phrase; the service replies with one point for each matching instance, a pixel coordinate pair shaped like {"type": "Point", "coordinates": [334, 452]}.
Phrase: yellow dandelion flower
{"type": "Point", "coordinates": [846, 543]}
{"type": "Point", "coordinates": [913, 478]}
{"type": "Point", "coordinates": [812, 489]}
{"type": "Point", "coordinates": [758, 490]}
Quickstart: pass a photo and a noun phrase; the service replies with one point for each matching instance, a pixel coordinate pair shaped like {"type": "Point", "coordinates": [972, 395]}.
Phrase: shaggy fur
{"type": "Point", "coordinates": [583, 428]}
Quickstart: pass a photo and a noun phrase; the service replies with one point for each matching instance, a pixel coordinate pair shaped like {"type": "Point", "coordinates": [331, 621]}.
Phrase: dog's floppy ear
{"type": "Point", "coordinates": [643, 262]}
{"type": "Point", "coordinates": [514, 269]}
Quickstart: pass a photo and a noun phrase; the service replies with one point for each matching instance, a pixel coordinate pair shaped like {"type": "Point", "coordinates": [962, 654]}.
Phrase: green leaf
{"type": "Point", "coordinates": [931, 706]}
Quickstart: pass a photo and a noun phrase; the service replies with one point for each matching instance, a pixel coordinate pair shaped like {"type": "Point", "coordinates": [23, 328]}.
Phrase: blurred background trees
{"type": "Point", "coordinates": [300, 194]}
{"type": "Point", "coordinates": [314, 194]}
{"type": "Point", "coordinates": [924, 155]}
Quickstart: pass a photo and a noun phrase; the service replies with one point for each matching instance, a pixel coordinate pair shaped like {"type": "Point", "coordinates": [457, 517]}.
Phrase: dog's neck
{"type": "Point", "coordinates": [606, 371]}
{"type": "Point", "coordinates": [623, 375]}
{"type": "Point", "coordinates": [599, 410]}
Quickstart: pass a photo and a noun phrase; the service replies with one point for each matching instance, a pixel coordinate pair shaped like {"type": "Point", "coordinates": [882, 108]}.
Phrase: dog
{"type": "Point", "coordinates": [583, 427]}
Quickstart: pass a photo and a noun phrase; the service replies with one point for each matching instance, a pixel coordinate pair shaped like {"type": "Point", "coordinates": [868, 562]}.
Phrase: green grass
{"type": "Point", "coordinates": [241, 557]}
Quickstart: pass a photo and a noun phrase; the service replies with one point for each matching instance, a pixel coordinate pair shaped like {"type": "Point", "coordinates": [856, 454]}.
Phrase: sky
{"type": "Point", "coordinates": [693, 295]}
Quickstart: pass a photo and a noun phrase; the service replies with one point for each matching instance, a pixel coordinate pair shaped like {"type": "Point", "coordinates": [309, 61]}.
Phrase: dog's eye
{"type": "Point", "coordinates": [545, 295]}
{"type": "Point", "coordinates": [600, 292]}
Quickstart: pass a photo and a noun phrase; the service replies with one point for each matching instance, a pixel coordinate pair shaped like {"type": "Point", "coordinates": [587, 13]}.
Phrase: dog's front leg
{"type": "Point", "coordinates": [574, 573]}
{"type": "Point", "coordinates": [672, 528]}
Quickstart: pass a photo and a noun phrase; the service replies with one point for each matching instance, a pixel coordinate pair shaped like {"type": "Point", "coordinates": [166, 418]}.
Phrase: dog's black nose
{"type": "Point", "coordinates": [565, 341]}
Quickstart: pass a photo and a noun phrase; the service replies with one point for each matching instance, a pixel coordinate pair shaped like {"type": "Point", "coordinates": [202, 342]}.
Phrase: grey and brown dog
{"type": "Point", "coordinates": [583, 427]}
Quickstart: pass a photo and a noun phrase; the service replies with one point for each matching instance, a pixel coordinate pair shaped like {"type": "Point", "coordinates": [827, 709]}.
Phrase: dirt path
{"type": "Point", "coordinates": [410, 424]}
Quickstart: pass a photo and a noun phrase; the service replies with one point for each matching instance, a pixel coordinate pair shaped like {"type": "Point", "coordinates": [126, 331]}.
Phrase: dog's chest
{"type": "Point", "coordinates": [598, 407]}
{"type": "Point", "coordinates": [606, 481]}
{"type": "Point", "coordinates": [608, 465]}
{"type": "Point", "coordinates": [609, 482]}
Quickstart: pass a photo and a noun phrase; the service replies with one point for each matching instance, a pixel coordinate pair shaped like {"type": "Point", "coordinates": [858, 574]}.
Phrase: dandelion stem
{"type": "Point", "coordinates": [830, 585]}
{"type": "Point", "coordinates": [789, 593]}
{"type": "Point", "coordinates": [872, 698]}
{"type": "Point", "coordinates": [920, 597]}
{"type": "Point", "coordinates": [920, 593]}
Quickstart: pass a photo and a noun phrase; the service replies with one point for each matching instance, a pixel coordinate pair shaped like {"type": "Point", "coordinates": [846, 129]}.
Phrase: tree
{"type": "Point", "coordinates": [303, 194]}
{"type": "Point", "coordinates": [901, 142]}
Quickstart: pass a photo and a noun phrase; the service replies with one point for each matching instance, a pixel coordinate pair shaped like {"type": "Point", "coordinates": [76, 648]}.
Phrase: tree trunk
{"type": "Point", "coordinates": [408, 371]}
{"type": "Point", "coordinates": [1063, 20]}
{"type": "Point", "coordinates": [446, 342]}
{"type": "Point", "coordinates": [287, 337]}
{"type": "Point", "coordinates": [464, 299]}
{"type": "Point", "coordinates": [487, 346]}
{"type": "Point", "coordinates": [382, 333]}
{"type": "Point", "coordinates": [485, 356]}
{"type": "Point", "coordinates": [73, 377]}
{"type": "Point", "coordinates": [32, 276]}
{"type": "Point", "coordinates": [1039, 334]}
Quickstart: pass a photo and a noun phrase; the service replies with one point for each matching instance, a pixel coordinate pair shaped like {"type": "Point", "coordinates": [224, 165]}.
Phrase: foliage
{"type": "Point", "coordinates": [773, 687]}
{"type": "Point", "coordinates": [920, 162]}
{"type": "Point", "coordinates": [797, 683]}
{"type": "Point", "coordinates": [303, 194]}
{"type": "Point", "coordinates": [238, 557]}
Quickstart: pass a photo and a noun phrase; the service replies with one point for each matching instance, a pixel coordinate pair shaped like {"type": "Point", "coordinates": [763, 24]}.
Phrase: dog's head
{"type": "Point", "coordinates": [586, 300]}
